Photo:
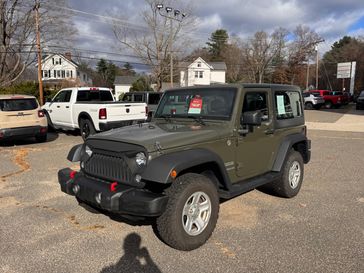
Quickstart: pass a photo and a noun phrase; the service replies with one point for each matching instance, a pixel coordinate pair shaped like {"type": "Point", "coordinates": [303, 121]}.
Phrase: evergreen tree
{"type": "Point", "coordinates": [217, 43]}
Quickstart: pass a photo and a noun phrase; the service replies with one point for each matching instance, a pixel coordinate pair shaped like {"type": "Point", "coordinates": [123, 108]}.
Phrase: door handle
{"type": "Point", "coordinates": [58, 106]}
{"type": "Point", "coordinates": [269, 132]}
{"type": "Point", "coordinates": [67, 107]}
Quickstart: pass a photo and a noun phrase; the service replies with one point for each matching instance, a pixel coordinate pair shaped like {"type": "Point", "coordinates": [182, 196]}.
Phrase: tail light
{"type": "Point", "coordinates": [40, 113]}
{"type": "Point", "coordinates": [102, 113]}
{"type": "Point", "coordinates": [146, 111]}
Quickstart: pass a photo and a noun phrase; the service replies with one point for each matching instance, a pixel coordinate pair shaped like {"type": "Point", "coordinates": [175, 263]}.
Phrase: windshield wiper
{"type": "Point", "coordinates": [198, 119]}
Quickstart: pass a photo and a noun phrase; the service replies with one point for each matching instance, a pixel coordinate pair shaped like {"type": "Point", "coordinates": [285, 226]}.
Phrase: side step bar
{"type": "Point", "coordinates": [248, 185]}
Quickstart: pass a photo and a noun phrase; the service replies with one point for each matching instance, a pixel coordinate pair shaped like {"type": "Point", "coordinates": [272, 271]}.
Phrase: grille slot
{"type": "Point", "coordinates": [108, 167]}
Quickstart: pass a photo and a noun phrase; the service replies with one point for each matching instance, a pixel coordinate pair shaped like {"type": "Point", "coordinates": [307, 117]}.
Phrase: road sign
{"type": "Point", "coordinates": [343, 70]}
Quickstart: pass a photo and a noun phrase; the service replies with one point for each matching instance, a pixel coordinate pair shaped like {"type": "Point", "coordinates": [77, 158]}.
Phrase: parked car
{"type": "Point", "coordinates": [149, 97]}
{"type": "Point", "coordinates": [205, 144]}
{"type": "Point", "coordinates": [21, 117]}
{"type": "Point", "coordinates": [313, 100]}
{"type": "Point", "coordinates": [331, 100]}
{"type": "Point", "coordinates": [360, 101]}
{"type": "Point", "coordinates": [344, 95]}
{"type": "Point", "coordinates": [91, 109]}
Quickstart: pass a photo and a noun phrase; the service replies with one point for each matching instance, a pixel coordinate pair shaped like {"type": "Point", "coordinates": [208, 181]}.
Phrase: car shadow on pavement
{"type": "Point", "coordinates": [135, 259]}
{"type": "Point", "coordinates": [345, 109]}
{"type": "Point", "coordinates": [51, 136]}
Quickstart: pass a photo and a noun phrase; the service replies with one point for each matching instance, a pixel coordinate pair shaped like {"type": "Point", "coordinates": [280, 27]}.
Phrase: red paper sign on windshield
{"type": "Point", "coordinates": [195, 106]}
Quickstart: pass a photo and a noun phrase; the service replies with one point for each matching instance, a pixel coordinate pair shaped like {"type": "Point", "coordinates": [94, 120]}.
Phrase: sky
{"type": "Point", "coordinates": [331, 19]}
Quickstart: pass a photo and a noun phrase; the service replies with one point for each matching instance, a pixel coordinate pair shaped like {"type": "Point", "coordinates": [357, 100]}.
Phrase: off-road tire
{"type": "Point", "coordinates": [86, 128]}
{"type": "Point", "coordinates": [283, 186]}
{"type": "Point", "coordinates": [41, 138]}
{"type": "Point", "coordinates": [308, 105]}
{"type": "Point", "coordinates": [170, 224]}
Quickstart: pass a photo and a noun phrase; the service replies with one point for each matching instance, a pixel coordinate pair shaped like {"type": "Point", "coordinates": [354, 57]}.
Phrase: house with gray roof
{"type": "Point", "coordinates": [123, 83]}
{"type": "Point", "coordinates": [200, 72]}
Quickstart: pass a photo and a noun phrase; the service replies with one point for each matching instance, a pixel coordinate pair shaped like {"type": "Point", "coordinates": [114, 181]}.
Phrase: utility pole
{"type": "Point", "coordinates": [317, 61]}
{"type": "Point", "coordinates": [39, 53]}
{"type": "Point", "coordinates": [308, 72]}
{"type": "Point", "coordinates": [177, 16]}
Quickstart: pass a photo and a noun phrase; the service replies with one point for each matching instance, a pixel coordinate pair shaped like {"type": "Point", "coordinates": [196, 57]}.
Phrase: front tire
{"type": "Point", "coordinates": [86, 128]}
{"type": "Point", "coordinates": [309, 106]}
{"type": "Point", "coordinates": [191, 213]}
{"type": "Point", "coordinates": [328, 104]}
{"type": "Point", "coordinates": [290, 181]}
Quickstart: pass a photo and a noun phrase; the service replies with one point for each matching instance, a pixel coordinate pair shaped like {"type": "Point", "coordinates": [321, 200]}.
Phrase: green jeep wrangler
{"type": "Point", "coordinates": [204, 144]}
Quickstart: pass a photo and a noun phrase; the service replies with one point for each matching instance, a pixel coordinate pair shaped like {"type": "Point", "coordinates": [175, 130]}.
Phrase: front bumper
{"type": "Point", "coordinates": [22, 132]}
{"type": "Point", "coordinates": [124, 200]}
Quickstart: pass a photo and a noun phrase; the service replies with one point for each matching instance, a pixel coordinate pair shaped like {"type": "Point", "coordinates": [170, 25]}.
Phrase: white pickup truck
{"type": "Point", "coordinates": [91, 109]}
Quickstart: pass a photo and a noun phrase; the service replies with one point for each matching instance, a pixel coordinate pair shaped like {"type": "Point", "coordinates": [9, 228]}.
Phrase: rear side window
{"type": "Point", "coordinates": [138, 97]}
{"type": "Point", "coordinates": [94, 95]}
{"type": "Point", "coordinates": [288, 104]}
{"type": "Point", "coordinates": [128, 98]}
{"type": "Point", "coordinates": [18, 104]}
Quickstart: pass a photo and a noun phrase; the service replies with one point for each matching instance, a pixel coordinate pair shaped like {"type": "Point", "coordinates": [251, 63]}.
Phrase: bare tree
{"type": "Point", "coordinates": [260, 50]}
{"type": "Point", "coordinates": [301, 49]}
{"type": "Point", "coordinates": [234, 59]}
{"type": "Point", "coordinates": [152, 44]}
{"type": "Point", "coordinates": [17, 34]}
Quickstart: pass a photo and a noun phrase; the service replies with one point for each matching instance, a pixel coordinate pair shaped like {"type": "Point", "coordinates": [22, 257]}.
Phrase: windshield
{"type": "Point", "coordinates": [211, 103]}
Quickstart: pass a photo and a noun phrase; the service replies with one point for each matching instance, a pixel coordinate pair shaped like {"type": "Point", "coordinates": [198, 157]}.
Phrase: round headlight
{"type": "Point", "coordinates": [140, 159]}
{"type": "Point", "coordinates": [88, 151]}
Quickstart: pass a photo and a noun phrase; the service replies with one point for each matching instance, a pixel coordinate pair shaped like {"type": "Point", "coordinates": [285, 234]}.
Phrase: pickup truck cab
{"type": "Point", "coordinates": [91, 110]}
{"type": "Point", "coordinates": [204, 144]}
{"type": "Point", "coordinates": [150, 98]}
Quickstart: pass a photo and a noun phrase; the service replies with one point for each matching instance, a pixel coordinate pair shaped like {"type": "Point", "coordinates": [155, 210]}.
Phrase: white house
{"type": "Point", "coordinates": [58, 67]}
{"type": "Point", "coordinates": [200, 72]}
{"type": "Point", "coordinates": [123, 84]}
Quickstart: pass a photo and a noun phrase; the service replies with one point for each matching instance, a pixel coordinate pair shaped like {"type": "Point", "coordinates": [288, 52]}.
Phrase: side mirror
{"type": "Point", "coordinates": [252, 118]}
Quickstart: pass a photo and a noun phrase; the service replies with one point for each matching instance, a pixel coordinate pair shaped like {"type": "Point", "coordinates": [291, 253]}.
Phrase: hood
{"type": "Point", "coordinates": [165, 135]}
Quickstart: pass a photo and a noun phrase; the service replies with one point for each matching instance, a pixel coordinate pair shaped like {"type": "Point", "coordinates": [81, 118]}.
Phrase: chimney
{"type": "Point", "coordinates": [68, 56]}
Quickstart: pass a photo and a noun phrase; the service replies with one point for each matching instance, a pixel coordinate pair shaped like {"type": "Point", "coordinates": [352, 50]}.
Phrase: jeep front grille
{"type": "Point", "coordinates": [108, 167]}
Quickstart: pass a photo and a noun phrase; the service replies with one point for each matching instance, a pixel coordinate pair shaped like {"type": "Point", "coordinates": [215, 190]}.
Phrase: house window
{"type": "Point", "coordinates": [84, 77]}
{"type": "Point", "coordinates": [58, 73]}
{"type": "Point", "coordinates": [67, 74]}
{"type": "Point", "coordinates": [71, 74]}
{"type": "Point", "coordinates": [60, 61]}
{"type": "Point", "coordinates": [63, 74]}
{"type": "Point", "coordinates": [45, 73]}
{"type": "Point", "coordinates": [199, 64]}
{"type": "Point", "coordinates": [78, 73]}
{"type": "Point", "coordinates": [54, 73]}
{"type": "Point", "coordinates": [196, 74]}
{"type": "Point", "coordinates": [200, 74]}
{"type": "Point", "coordinates": [53, 61]}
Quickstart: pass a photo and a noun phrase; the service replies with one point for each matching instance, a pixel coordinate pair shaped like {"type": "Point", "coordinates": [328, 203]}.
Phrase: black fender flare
{"type": "Point", "coordinates": [75, 154]}
{"type": "Point", "coordinates": [88, 117]}
{"type": "Point", "coordinates": [160, 168]}
{"type": "Point", "coordinates": [285, 147]}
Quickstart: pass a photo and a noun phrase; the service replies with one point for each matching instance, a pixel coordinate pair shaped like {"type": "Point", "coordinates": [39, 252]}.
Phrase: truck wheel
{"type": "Point", "coordinates": [292, 175]}
{"type": "Point", "coordinates": [191, 213]}
{"type": "Point", "coordinates": [328, 104]}
{"type": "Point", "coordinates": [86, 128]}
{"type": "Point", "coordinates": [309, 106]}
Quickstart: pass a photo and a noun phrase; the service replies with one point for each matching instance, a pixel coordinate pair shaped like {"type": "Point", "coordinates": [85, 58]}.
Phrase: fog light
{"type": "Point", "coordinates": [76, 189]}
{"type": "Point", "coordinates": [98, 198]}
{"type": "Point", "coordinates": [138, 178]}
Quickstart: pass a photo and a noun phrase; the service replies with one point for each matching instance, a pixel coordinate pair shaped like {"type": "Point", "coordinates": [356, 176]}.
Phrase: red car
{"type": "Point", "coordinates": [331, 99]}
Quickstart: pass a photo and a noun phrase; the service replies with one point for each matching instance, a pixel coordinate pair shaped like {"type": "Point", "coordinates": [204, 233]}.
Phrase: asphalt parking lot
{"type": "Point", "coordinates": [320, 230]}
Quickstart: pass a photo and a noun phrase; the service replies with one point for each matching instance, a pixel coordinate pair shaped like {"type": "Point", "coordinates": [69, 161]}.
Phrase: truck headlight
{"type": "Point", "coordinates": [88, 151]}
{"type": "Point", "coordinates": [140, 159]}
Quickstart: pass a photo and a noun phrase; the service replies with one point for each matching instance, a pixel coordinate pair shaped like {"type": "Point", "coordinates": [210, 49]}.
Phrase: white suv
{"type": "Point", "coordinates": [313, 100]}
{"type": "Point", "coordinates": [21, 117]}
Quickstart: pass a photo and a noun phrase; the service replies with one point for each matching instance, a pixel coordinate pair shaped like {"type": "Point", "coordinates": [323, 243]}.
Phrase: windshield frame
{"type": "Point", "coordinates": [195, 91]}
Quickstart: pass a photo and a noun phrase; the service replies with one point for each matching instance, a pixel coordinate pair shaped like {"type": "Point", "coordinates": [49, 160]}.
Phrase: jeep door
{"type": "Point", "coordinates": [255, 149]}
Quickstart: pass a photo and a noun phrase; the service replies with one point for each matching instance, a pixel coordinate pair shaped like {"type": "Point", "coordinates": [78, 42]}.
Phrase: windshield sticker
{"type": "Point", "coordinates": [280, 105]}
{"type": "Point", "coordinates": [195, 106]}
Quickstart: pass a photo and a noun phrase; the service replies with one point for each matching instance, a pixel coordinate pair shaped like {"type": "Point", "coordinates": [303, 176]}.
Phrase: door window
{"type": "Point", "coordinates": [63, 96]}
{"type": "Point", "coordinates": [154, 98]}
{"type": "Point", "coordinates": [256, 101]}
